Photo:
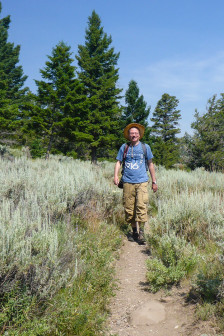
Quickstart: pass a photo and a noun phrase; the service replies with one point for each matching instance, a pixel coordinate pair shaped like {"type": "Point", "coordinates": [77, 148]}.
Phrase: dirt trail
{"type": "Point", "coordinates": [136, 312]}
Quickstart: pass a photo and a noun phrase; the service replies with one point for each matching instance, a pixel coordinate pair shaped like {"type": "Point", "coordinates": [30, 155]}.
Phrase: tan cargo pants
{"type": "Point", "coordinates": [135, 201]}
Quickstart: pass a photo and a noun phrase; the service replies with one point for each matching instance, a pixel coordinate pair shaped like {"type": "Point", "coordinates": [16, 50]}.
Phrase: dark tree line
{"type": "Point", "coordinates": [77, 111]}
{"type": "Point", "coordinates": [206, 147]}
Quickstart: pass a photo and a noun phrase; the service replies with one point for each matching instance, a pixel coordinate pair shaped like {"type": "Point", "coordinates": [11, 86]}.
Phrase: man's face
{"type": "Point", "coordinates": [134, 134]}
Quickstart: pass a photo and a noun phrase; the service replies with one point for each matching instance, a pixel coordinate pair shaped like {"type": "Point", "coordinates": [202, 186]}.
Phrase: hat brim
{"type": "Point", "coordinates": [140, 127]}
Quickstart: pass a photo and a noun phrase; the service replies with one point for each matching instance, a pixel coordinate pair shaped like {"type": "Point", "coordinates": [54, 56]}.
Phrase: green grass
{"type": "Point", "coordinates": [78, 308]}
{"type": "Point", "coordinates": [81, 307]}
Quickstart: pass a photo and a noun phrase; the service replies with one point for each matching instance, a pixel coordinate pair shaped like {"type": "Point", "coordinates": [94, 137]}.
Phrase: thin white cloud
{"type": "Point", "coordinates": [188, 79]}
{"type": "Point", "coordinates": [192, 80]}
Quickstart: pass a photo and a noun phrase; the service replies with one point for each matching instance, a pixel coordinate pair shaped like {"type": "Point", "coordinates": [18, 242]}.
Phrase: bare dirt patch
{"type": "Point", "coordinates": [134, 311]}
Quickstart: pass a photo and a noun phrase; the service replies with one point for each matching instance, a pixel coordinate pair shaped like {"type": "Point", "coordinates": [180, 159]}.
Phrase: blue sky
{"type": "Point", "coordinates": [166, 46]}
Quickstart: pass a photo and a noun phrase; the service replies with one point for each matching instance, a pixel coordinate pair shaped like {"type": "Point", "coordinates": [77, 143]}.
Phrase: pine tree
{"type": "Point", "coordinates": [12, 79]}
{"type": "Point", "coordinates": [207, 143]}
{"type": "Point", "coordinates": [165, 129]}
{"type": "Point", "coordinates": [58, 103]}
{"type": "Point", "coordinates": [99, 75]}
{"type": "Point", "coordinates": [136, 110]}
{"type": "Point", "coordinates": [186, 156]}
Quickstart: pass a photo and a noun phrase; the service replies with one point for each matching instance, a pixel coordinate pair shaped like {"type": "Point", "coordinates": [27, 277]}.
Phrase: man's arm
{"type": "Point", "coordinates": [153, 175]}
{"type": "Point", "coordinates": [116, 172]}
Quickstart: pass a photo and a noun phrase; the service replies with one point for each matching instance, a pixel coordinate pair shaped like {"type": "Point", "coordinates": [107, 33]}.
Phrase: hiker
{"type": "Point", "coordinates": [136, 159]}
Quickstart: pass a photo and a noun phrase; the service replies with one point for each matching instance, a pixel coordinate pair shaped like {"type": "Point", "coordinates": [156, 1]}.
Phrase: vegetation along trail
{"type": "Point", "coordinates": [134, 311]}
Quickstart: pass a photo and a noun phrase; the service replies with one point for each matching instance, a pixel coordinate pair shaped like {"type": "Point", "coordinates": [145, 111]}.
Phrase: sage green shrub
{"type": "Point", "coordinates": [189, 207]}
{"type": "Point", "coordinates": [207, 283]}
{"type": "Point", "coordinates": [172, 259]}
{"type": "Point", "coordinates": [43, 204]}
{"type": "Point", "coordinates": [80, 307]}
{"type": "Point", "coordinates": [191, 204]}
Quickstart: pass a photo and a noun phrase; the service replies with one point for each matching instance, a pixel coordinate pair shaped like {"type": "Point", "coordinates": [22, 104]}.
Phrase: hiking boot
{"type": "Point", "coordinates": [133, 236]}
{"type": "Point", "coordinates": [141, 237]}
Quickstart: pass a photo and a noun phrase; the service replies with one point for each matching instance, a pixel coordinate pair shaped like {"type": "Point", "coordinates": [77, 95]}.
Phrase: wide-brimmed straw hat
{"type": "Point", "coordinates": [141, 129]}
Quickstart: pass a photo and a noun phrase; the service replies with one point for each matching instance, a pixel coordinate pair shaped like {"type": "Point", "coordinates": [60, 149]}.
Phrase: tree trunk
{"type": "Point", "coordinates": [93, 155]}
{"type": "Point", "coordinates": [49, 146]}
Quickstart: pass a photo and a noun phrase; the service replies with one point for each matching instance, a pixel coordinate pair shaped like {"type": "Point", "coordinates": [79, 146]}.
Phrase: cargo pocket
{"type": "Point", "coordinates": [143, 193]}
{"type": "Point", "coordinates": [128, 202]}
{"type": "Point", "coordinates": [145, 197]}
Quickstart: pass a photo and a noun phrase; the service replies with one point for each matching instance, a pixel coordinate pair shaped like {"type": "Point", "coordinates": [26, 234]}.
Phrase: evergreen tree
{"type": "Point", "coordinates": [136, 110]}
{"type": "Point", "coordinates": [186, 145]}
{"type": "Point", "coordinates": [164, 130]}
{"type": "Point", "coordinates": [59, 102]}
{"type": "Point", "coordinates": [99, 75]}
{"type": "Point", "coordinates": [207, 143]}
{"type": "Point", "coordinates": [12, 79]}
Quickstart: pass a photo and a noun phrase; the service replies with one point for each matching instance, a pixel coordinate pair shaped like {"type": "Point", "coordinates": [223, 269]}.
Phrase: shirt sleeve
{"type": "Point", "coordinates": [120, 153]}
{"type": "Point", "coordinates": [149, 154]}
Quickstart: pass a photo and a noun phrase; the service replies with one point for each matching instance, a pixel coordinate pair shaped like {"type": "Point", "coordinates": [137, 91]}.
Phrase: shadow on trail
{"type": "Point", "coordinates": [146, 251]}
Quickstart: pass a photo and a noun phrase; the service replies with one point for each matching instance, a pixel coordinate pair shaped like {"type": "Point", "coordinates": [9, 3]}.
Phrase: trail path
{"type": "Point", "coordinates": [137, 312]}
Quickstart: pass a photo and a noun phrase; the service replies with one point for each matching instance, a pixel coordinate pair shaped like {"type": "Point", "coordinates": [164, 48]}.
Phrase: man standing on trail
{"type": "Point", "coordinates": [136, 158]}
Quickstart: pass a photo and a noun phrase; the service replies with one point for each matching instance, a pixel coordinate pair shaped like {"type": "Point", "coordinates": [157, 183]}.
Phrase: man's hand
{"type": "Point", "coordinates": [116, 180]}
{"type": "Point", "coordinates": [153, 175]}
{"type": "Point", "coordinates": [154, 187]}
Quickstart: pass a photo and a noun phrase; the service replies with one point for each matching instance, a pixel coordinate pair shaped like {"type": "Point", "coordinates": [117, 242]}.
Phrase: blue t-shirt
{"type": "Point", "coordinates": [134, 167]}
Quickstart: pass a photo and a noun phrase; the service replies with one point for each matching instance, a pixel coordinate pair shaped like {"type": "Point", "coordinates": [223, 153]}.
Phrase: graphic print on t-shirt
{"type": "Point", "coordinates": [136, 160]}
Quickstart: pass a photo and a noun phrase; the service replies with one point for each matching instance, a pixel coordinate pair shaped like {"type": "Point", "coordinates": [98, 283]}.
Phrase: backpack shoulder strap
{"type": "Point", "coordinates": [145, 154]}
{"type": "Point", "coordinates": [127, 145]}
{"type": "Point", "coordinates": [144, 149]}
